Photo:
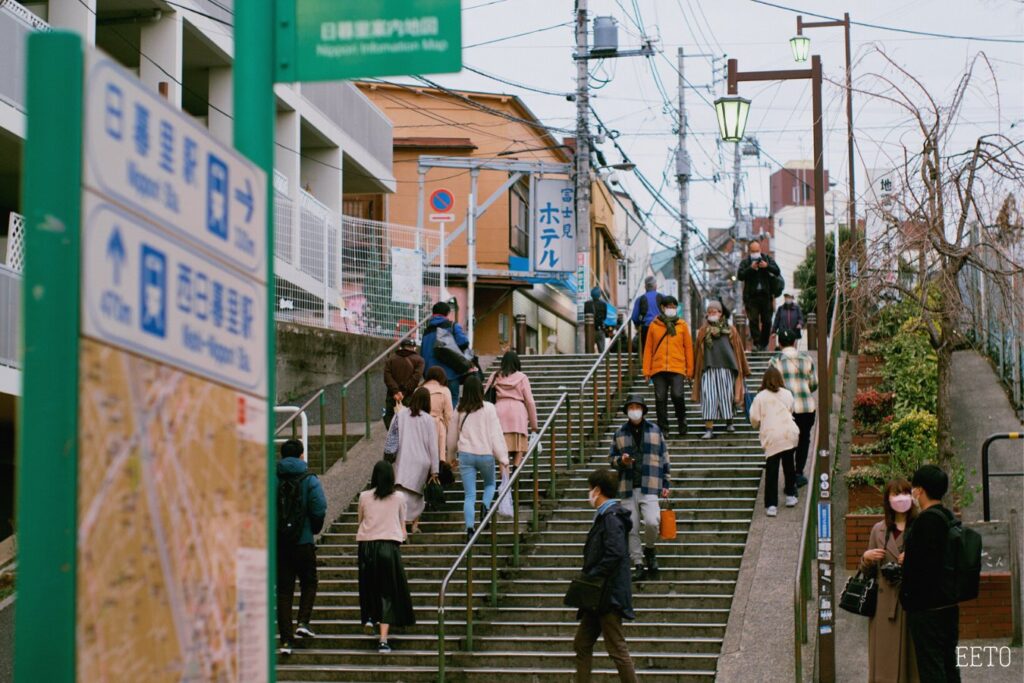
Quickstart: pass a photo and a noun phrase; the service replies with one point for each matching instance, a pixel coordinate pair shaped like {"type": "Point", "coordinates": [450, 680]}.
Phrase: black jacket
{"type": "Point", "coordinates": [757, 283]}
{"type": "Point", "coordinates": [606, 553]}
{"type": "Point", "coordinates": [925, 584]}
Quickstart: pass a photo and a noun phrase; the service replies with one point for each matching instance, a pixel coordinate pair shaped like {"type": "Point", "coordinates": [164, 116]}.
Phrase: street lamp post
{"type": "Point", "coordinates": [801, 45]}
{"type": "Point", "coordinates": [732, 113]}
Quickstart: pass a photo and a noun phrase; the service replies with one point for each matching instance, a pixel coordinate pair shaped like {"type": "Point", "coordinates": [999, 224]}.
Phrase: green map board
{"type": "Point", "coordinates": [332, 40]}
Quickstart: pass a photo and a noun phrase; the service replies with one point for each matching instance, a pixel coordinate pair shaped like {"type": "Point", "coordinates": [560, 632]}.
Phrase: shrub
{"type": "Point", "coordinates": [870, 475]}
{"type": "Point", "coordinates": [869, 510]}
{"type": "Point", "coordinates": [871, 406]}
{"type": "Point", "coordinates": [912, 442]}
{"type": "Point", "coordinates": [888, 323]}
{"type": "Point", "coordinates": [911, 370]}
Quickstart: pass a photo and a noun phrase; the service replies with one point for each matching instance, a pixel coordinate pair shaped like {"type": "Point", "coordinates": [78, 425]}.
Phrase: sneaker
{"type": "Point", "coordinates": [304, 631]}
{"type": "Point", "coordinates": [469, 534]}
{"type": "Point", "coordinates": [369, 627]}
{"type": "Point", "coordinates": [707, 434]}
{"type": "Point", "coordinates": [285, 649]}
{"type": "Point", "coordinates": [771, 511]}
{"type": "Point", "coordinates": [791, 501]}
{"type": "Point", "coordinates": [801, 481]}
{"type": "Point", "coordinates": [383, 647]}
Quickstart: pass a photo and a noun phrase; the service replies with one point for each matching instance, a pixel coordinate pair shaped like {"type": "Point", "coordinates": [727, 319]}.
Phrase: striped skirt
{"type": "Point", "coordinates": [716, 393]}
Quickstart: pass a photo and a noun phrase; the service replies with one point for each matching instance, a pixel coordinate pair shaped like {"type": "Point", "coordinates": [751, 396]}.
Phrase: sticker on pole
{"type": "Point", "coordinates": [147, 156]}
{"type": "Point", "coordinates": [156, 297]}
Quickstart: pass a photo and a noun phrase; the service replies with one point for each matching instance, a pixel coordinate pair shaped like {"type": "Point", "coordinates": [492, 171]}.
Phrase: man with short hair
{"type": "Point", "coordinates": [301, 508]}
{"type": "Point", "coordinates": [757, 272]}
{"type": "Point", "coordinates": [933, 616]}
{"type": "Point", "coordinates": [403, 371]}
{"type": "Point", "coordinates": [639, 455]}
{"type": "Point", "coordinates": [788, 316]}
{"type": "Point", "coordinates": [668, 361]}
{"type": "Point", "coordinates": [441, 318]}
{"type": "Point", "coordinates": [605, 555]}
{"type": "Point", "coordinates": [800, 377]}
{"type": "Point", "coordinates": [645, 309]}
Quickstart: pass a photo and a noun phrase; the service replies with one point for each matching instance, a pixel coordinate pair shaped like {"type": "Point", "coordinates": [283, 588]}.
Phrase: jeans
{"type": "Point", "coordinates": [771, 477]}
{"type": "Point", "coordinates": [664, 384]}
{"type": "Point", "coordinates": [936, 633]}
{"type": "Point", "coordinates": [805, 421]}
{"type": "Point", "coordinates": [295, 561]}
{"type": "Point", "coordinates": [469, 465]}
{"type": "Point", "coordinates": [453, 386]}
{"type": "Point", "coordinates": [759, 318]}
{"type": "Point", "coordinates": [646, 508]}
{"type": "Point", "coordinates": [610, 626]}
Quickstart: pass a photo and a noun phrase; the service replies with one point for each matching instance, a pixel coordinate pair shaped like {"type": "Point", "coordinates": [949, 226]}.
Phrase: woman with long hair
{"type": "Point", "coordinates": [719, 369]}
{"type": "Point", "coordinates": [514, 403]}
{"type": "Point", "coordinates": [772, 414]}
{"type": "Point", "coordinates": [384, 598]}
{"type": "Point", "coordinates": [475, 443]}
{"type": "Point", "coordinates": [890, 649]}
{"type": "Point", "coordinates": [440, 405]}
{"type": "Point", "coordinates": [413, 440]}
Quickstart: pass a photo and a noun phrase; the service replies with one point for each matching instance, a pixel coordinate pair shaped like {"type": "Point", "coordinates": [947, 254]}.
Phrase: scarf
{"type": "Point", "coordinates": [715, 330]}
{"type": "Point", "coordinates": [670, 323]}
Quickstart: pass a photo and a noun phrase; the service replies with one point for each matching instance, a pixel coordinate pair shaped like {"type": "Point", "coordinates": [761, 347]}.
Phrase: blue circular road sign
{"type": "Point", "coordinates": [441, 201]}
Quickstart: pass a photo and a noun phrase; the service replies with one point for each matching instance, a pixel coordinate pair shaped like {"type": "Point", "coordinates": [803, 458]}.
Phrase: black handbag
{"type": "Point", "coordinates": [860, 595]}
{"type": "Point", "coordinates": [587, 592]}
{"type": "Point", "coordinates": [433, 493]}
{"type": "Point", "coordinates": [445, 474]}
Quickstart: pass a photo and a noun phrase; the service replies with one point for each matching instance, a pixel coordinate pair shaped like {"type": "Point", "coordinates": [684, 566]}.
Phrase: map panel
{"type": "Point", "coordinates": [172, 524]}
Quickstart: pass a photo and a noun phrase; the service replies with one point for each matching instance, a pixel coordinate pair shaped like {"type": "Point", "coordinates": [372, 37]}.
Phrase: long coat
{"type": "Point", "coordinates": [891, 656]}
{"type": "Point", "coordinates": [441, 409]}
{"type": "Point", "coordinates": [741, 363]}
{"type": "Point", "coordinates": [414, 439]}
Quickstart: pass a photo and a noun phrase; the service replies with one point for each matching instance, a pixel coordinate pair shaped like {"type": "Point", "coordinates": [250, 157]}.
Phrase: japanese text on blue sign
{"type": "Point", "coordinates": [554, 221]}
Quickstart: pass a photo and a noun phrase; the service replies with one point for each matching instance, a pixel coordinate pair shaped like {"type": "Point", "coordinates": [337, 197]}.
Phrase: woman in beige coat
{"type": "Point", "coordinates": [890, 650]}
{"type": "Point", "coordinates": [440, 405]}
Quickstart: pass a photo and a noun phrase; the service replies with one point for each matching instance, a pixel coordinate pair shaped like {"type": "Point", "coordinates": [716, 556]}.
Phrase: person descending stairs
{"type": "Point", "coordinates": [682, 610]}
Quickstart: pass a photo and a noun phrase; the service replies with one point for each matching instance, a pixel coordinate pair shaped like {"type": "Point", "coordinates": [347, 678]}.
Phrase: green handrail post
{"type": "Point", "coordinates": [535, 522]}
{"type": "Point", "coordinates": [583, 432]}
{"type": "Point", "coordinates": [554, 472]}
{"type": "Point", "coordinates": [568, 437]}
{"type": "Point", "coordinates": [494, 562]}
{"type": "Point", "coordinates": [344, 424]}
{"type": "Point", "coordinates": [366, 401]}
{"type": "Point", "coordinates": [469, 600]}
{"type": "Point", "coordinates": [607, 385]}
{"type": "Point", "coordinates": [323, 435]}
{"type": "Point", "coordinates": [440, 646]}
{"type": "Point", "coordinates": [515, 524]}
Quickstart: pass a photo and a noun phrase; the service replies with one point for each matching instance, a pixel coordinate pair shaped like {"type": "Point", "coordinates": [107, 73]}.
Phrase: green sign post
{"type": "Point", "coordinates": [325, 40]}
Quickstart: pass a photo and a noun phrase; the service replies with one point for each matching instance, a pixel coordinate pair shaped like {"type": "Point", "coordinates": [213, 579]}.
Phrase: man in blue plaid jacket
{"type": "Point", "coordinates": [639, 455]}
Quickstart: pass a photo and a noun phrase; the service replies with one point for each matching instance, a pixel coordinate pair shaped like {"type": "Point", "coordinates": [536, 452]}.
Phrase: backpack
{"type": "Point", "coordinates": [447, 351]}
{"type": "Point", "coordinates": [778, 285]}
{"type": "Point", "coordinates": [961, 561]}
{"type": "Point", "coordinates": [611, 317]}
{"type": "Point", "coordinates": [291, 508]}
{"type": "Point", "coordinates": [645, 305]}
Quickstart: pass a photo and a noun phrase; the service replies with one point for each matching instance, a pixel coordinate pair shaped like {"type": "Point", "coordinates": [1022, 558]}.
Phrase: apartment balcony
{"type": "Point", "coordinates": [16, 22]}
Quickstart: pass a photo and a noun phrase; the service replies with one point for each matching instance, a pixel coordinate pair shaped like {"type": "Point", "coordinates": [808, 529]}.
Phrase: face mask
{"type": "Point", "coordinates": [714, 318]}
{"type": "Point", "coordinates": [592, 497]}
{"type": "Point", "coordinates": [671, 312]}
{"type": "Point", "coordinates": [756, 256]}
{"type": "Point", "coordinates": [635, 415]}
{"type": "Point", "coordinates": [901, 502]}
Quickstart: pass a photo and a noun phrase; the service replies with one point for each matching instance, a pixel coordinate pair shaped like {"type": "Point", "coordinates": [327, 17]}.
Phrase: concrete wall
{"type": "Point", "coordinates": [309, 358]}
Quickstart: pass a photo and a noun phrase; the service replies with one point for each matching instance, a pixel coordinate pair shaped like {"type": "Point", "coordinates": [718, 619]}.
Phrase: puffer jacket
{"type": "Point", "coordinates": [664, 353]}
{"type": "Point", "coordinates": [606, 554]}
{"type": "Point", "coordinates": [514, 403]}
{"type": "Point", "coordinates": [772, 414]}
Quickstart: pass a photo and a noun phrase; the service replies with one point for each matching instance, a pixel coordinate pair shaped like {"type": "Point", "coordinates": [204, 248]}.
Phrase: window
{"type": "Point", "coordinates": [519, 220]}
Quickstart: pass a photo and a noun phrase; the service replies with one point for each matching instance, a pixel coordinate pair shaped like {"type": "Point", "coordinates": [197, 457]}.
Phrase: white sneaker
{"type": "Point", "coordinates": [791, 501]}
{"type": "Point", "coordinates": [303, 631]}
{"type": "Point", "coordinates": [771, 511]}
{"type": "Point", "coordinates": [285, 649]}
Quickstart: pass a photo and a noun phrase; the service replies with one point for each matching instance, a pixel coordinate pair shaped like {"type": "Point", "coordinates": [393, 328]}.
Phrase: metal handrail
{"type": "Point", "coordinates": [986, 472]}
{"type": "Point", "coordinates": [301, 409]}
{"type": "Point", "coordinates": [511, 489]}
{"type": "Point", "coordinates": [801, 583]}
{"type": "Point", "coordinates": [384, 354]}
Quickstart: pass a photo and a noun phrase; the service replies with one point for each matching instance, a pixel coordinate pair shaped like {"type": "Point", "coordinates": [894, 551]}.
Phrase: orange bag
{"type": "Point", "coordinates": [668, 525]}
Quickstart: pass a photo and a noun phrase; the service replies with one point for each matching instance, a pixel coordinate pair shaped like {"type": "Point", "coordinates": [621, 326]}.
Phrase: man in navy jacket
{"type": "Point", "coordinates": [440, 318]}
{"type": "Point", "coordinates": [646, 308]}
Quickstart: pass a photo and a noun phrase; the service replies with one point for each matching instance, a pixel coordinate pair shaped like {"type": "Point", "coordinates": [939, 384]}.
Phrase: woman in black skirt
{"type": "Point", "coordinates": [383, 591]}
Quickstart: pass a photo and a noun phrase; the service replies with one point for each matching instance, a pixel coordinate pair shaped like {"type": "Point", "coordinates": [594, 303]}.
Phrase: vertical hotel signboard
{"type": "Point", "coordinates": [170, 544]}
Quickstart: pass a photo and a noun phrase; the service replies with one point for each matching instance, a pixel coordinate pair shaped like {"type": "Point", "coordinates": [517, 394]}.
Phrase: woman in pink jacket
{"type": "Point", "coordinates": [517, 411]}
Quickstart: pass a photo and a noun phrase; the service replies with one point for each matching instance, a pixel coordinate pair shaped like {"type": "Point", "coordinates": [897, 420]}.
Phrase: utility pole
{"type": "Point", "coordinates": [683, 177]}
{"type": "Point", "coordinates": [582, 172]}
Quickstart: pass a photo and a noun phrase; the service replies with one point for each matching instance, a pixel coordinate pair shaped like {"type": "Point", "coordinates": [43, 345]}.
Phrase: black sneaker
{"type": "Point", "coordinates": [383, 647]}
{"type": "Point", "coordinates": [801, 481]}
{"type": "Point", "coordinates": [639, 573]}
{"type": "Point", "coordinates": [469, 534]}
{"type": "Point", "coordinates": [304, 631]}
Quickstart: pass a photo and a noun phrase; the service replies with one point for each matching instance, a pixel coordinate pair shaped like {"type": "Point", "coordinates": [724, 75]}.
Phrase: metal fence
{"type": "Point", "coordinates": [10, 314]}
{"type": "Point", "coordinates": [349, 274]}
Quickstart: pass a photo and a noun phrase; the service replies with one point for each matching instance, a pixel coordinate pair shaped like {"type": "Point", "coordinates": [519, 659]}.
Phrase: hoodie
{"type": "Point", "coordinates": [514, 403]}
{"type": "Point", "coordinates": [606, 554]}
{"type": "Point", "coordinates": [312, 496]}
{"type": "Point", "coordinates": [403, 371]}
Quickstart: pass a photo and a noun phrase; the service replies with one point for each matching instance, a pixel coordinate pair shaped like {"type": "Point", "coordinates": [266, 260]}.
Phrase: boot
{"type": "Point", "coordinates": [651, 559]}
{"type": "Point", "coordinates": [639, 573]}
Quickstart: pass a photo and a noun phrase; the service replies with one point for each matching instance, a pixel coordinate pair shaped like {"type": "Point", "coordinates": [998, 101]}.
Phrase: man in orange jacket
{"type": "Point", "coordinates": [668, 359]}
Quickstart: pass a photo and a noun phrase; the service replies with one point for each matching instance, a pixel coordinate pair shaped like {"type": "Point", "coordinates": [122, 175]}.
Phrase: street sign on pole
{"type": "Point", "coordinates": [442, 217]}
{"type": "Point", "coordinates": [330, 40]}
{"type": "Point", "coordinates": [442, 201]}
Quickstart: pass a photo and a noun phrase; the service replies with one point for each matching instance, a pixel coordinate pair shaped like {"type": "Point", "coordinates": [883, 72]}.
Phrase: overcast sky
{"type": "Point", "coordinates": [757, 36]}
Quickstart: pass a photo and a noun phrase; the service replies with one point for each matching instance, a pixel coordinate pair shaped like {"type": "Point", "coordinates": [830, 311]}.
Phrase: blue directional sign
{"type": "Point", "coordinates": [824, 520]}
{"type": "Point", "coordinates": [152, 159]}
{"type": "Point", "coordinates": [170, 301]}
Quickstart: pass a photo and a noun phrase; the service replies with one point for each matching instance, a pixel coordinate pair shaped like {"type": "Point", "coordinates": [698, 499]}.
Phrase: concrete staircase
{"type": "Point", "coordinates": [681, 616]}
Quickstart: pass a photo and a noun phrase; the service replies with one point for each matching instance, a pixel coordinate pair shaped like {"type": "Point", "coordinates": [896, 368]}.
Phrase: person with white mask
{"type": "Point", "coordinates": [891, 655]}
{"type": "Point", "coordinates": [639, 454]}
{"type": "Point", "coordinates": [719, 369]}
{"type": "Point", "coordinates": [667, 362]}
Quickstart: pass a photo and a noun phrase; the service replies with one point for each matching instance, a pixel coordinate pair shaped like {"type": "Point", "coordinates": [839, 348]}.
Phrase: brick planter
{"type": "Point", "coordinates": [863, 496]}
{"type": "Point", "coordinates": [858, 533]}
{"type": "Point", "coordinates": [869, 364]}
{"type": "Point", "coordinates": [868, 380]}
{"type": "Point", "coordinates": [865, 459]}
{"type": "Point", "coordinates": [988, 615]}
{"type": "Point", "coordinates": [865, 438]}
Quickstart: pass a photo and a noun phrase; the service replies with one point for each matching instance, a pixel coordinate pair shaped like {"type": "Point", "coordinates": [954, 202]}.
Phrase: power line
{"type": "Point", "coordinates": [519, 35]}
{"type": "Point", "coordinates": [514, 84]}
{"type": "Point", "coordinates": [895, 29]}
